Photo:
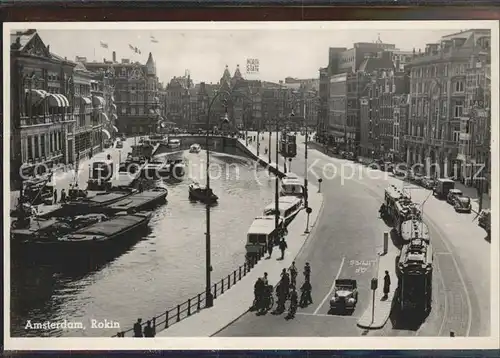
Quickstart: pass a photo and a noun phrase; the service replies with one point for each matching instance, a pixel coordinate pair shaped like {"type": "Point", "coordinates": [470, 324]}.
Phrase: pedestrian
{"type": "Point", "coordinates": [307, 272]}
{"type": "Point", "coordinates": [285, 279]}
{"type": "Point", "coordinates": [258, 290]}
{"type": "Point", "coordinates": [305, 297]}
{"type": "Point", "coordinates": [387, 285]}
{"type": "Point", "coordinates": [138, 328]}
{"type": "Point", "coordinates": [281, 293]}
{"type": "Point", "coordinates": [270, 245]}
{"type": "Point", "coordinates": [293, 303]}
{"type": "Point", "coordinates": [293, 274]}
{"type": "Point", "coordinates": [55, 196]}
{"type": "Point", "coordinates": [63, 196]}
{"type": "Point", "coordinates": [148, 330]}
{"type": "Point", "coordinates": [265, 280]}
{"type": "Point", "coordinates": [283, 246]}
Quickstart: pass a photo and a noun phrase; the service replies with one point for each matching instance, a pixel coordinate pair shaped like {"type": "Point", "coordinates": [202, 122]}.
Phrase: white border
{"type": "Point", "coordinates": [491, 342]}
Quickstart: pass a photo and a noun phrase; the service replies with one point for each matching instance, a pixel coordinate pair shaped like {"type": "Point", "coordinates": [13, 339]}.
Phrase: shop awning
{"type": "Point", "coordinates": [97, 101]}
{"type": "Point", "coordinates": [105, 116]}
{"type": "Point", "coordinates": [105, 132]}
{"type": "Point", "coordinates": [36, 96]}
{"type": "Point", "coordinates": [85, 100]}
{"type": "Point", "coordinates": [336, 134]}
{"type": "Point", "coordinates": [115, 129]}
{"type": "Point", "coordinates": [55, 100]}
{"type": "Point", "coordinates": [113, 106]}
{"type": "Point", "coordinates": [63, 99]}
{"type": "Point", "coordinates": [115, 117]}
{"type": "Point", "coordinates": [151, 111]}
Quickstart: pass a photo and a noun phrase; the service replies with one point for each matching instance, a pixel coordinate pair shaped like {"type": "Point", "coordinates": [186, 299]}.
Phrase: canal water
{"type": "Point", "coordinates": [164, 268]}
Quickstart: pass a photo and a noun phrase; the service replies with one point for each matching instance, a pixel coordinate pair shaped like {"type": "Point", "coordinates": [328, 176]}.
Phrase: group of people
{"type": "Point", "coordinates": [148, 331]}
{"type": "Point", "coordinates": [285, 290]}
{"type": "Point", "coordinates": [282, 245]}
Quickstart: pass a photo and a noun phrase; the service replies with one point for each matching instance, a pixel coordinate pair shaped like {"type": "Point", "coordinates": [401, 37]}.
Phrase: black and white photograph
{"type": "Point", "coordinates": [251, 185]}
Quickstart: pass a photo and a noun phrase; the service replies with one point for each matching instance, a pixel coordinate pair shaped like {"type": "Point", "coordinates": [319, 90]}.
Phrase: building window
{"type": "Point", "coordinates": [141, 110]}
{"type": "Point", "coordinates": [458, 109]}
{"type": "Point", "coordinates": [30, 148]}
{"type": "Point", "coordinates": [444, 108]}
{"type": "Point", "coordinates": [124, 110]}
{"type": "Point", "coordinates": [132, 110]}
{"type": "Point", "coordinates": [459, 86]}
{"type": "Point", "coordinates": [37, 149]}
{"type": "Point", "coordinates": [456, 136]}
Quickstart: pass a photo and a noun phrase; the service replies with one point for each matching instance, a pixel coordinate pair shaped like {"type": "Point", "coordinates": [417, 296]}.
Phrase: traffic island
{"type": "Point", "coordinates": [379, 309]}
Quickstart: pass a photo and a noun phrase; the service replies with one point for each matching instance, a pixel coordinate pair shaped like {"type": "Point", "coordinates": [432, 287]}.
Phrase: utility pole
{"type": "Point", "coordinates": [276, 188]}
{"type": "Point", "coordinates": [306, 201]}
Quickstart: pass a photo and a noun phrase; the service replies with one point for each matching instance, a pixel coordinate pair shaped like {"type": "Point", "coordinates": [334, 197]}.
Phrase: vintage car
{"type": "Point", "coordinates": [345, 295]}
{"type": "Point", "coordinates": [428, 183]}
{"type": "Point", "coordinates": [484, 220]}
{"type": "Point", "coordinates": [462, 204]}
{"type": "Point", "coordinates": [452, 196]}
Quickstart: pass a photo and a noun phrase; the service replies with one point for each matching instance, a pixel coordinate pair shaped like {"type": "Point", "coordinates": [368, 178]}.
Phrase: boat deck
{"type": "Point", "coordinates": [135, 200]}
{"type": "Point", "coordinates": [99, 199]}
{"type": "Point", "coordinates": [112, 226]}
{"type": "Point", "coordinates": [35, 226]}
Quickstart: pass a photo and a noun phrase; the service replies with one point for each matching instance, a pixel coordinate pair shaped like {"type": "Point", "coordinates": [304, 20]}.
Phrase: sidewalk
{"type": "Point", "coordinates": [383, 307]}
{"type": "Point", "coordinates": [234, 303]}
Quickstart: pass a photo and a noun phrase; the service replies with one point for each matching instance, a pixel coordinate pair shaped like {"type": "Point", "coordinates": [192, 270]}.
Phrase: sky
{"type": "Point", "coordinates": [204, 53]}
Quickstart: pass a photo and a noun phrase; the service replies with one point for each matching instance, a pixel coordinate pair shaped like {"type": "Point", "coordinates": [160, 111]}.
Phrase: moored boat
{"type": "Point", "coordinates": [139, 201]}
{"type": "Point", "coordinates": [115, 231]}
{"type": "Point", "coordinates": [96, 203]}
{"type": "Point", "coordinates": [201, 193]}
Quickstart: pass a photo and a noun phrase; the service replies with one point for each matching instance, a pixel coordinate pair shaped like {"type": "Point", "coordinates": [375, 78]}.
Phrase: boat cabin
{"type": "Point", "coordinates": [39, 190]}
{"type": "Point", "coordinates": [262, 232]}
{"type": "Point", "coordinates": [174, 143]}
{"type": "Point", "coordinates": [289, 207]}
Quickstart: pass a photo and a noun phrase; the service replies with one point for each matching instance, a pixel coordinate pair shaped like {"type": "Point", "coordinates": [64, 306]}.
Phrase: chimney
{"type": "Point", "coordinates": [48, 48]}
{"type": "Point", "coordinates": [114, 56]}
{"type": "Point", "coordinates": [104, 60]}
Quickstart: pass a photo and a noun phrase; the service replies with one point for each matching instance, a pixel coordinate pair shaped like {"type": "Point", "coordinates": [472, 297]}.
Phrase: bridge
{"type": "Point", "coordinates": [216, 143]}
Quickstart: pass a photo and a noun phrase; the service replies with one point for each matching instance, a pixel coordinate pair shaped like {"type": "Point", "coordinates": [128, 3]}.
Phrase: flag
{"type": "Point", "coordinates": [153, 39]}
{"type": "Point", "coordinates": [131, 47]}
{"type": "Point", "coordinates": [104, 45]}
{"type": "Point", "coordinates": [137, 51]}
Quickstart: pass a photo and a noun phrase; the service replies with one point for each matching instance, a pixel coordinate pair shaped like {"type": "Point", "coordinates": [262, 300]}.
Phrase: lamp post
{"type": "Point", "coordinates": [208, 292]}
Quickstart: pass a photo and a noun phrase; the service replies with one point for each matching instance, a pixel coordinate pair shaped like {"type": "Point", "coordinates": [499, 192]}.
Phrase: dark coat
{"type": "Point", "coordinates": [387, 283]}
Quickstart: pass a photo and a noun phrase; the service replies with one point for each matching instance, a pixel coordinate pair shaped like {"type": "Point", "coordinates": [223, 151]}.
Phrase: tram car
{"type": "Point", "coordinates": [415, 277]}
{"type": "Point", "coordinates": [414, 229]}
{"type": "Point", "coordinates": [405, 210]}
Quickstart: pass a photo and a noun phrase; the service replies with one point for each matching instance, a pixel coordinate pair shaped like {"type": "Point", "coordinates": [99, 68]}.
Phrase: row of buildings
{"type": "Point", "coordinates": [431, 105]}
{"type": "Point", "coordinates": [64, 110]}
{"type": "Point", "coordinates": [249, 103]}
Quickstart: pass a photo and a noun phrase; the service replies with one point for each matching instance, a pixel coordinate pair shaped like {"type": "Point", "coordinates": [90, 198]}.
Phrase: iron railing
{"type": "Point", "coordinates": [197, 303]}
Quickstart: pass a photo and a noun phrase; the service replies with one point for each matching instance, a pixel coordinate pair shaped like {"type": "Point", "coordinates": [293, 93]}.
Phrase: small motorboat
{"type": "Point", "coordinates": [195, 148]}
{"type": "Point", "coordinates": [200, 193]}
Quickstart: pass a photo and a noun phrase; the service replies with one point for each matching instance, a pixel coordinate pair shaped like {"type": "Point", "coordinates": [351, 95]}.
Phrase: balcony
{"type": "Point", "coordinates": [414, 139]}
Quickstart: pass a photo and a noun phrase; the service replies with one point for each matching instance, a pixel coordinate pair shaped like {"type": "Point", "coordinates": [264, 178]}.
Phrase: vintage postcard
{"type": "Point", "coordinates": [254, 185]}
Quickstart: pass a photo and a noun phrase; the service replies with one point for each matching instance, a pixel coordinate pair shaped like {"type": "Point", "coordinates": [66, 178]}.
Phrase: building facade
{"type": "Point", "coordinates": [177, 101]}
{"type": "Point", "coordinates": [437, 101]}
{"type": "Point", "coordinates": [41, 102]}
{"type": "Point", "coordinates": [135, 93]}
{"type": "Point", "coordinates": [475, 127]}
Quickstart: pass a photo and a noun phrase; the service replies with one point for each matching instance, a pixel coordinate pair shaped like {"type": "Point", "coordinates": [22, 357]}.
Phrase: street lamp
{"type": "Point", "coordinates": [209, 301]}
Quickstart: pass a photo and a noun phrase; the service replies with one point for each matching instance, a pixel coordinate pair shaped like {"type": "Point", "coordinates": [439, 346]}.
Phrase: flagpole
{"type": "Point", "coordinates": [94, 54]}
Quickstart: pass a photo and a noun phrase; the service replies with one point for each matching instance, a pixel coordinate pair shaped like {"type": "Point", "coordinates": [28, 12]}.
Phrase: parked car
{"type": "Point", "coordinates": [428, 183]}
{"type": "Point", "coordinates": [443, 187]}
{"type": "Point", "coordinates": [452, 196]}
{"type": "Point", "coordinates": [463, 204]}
{"type": "Point", "coordinates": [418, 179]}
{"type": "Point", "coordinates": [484, 220]}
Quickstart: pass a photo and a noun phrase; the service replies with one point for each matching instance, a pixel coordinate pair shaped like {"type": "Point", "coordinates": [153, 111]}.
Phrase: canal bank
{"type": "Point", "coordinates": [162, 268]}
{"type": "Point", "coordinates": [236, 302]}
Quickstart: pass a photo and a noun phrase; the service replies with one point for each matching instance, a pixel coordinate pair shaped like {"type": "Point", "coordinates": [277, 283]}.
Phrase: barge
{"type": "Point", "coordinates": [140, 201]}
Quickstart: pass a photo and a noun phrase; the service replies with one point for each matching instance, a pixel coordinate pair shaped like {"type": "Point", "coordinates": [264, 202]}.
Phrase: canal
{"type": "Point", "coordinates": [164, 268]}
